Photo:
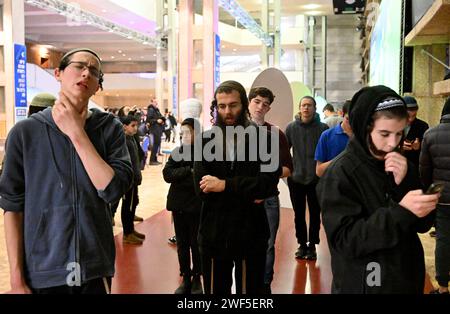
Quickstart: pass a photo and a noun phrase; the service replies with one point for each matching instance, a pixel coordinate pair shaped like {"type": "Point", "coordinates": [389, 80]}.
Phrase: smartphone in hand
{"type": "Point", "coordinates": [435, 188]}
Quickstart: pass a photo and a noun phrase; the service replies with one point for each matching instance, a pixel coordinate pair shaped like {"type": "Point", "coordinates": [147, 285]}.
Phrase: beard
{"type": "Point", "coordinates": [241, 120]}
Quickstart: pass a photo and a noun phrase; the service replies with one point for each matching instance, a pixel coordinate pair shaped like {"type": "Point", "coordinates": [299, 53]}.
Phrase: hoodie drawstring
{"type": "Point", "coordinates": [53, 157]}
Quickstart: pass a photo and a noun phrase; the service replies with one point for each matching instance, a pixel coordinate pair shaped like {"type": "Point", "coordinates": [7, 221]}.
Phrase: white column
{"type": "Point", "coordinates": [186, 48]}
{"type": "Point", "coordinates": [265, 27]}
{"type": "Point", "coordinates": [13, 33]}
{"type": "Point", "coordinates": [159, 83]}
{"type": "Point", "coordinates": [210, 29]}
{"type": "Point", "coordinates": [172, 71]}
{"type": "Point", "coordinates": [277, 33]}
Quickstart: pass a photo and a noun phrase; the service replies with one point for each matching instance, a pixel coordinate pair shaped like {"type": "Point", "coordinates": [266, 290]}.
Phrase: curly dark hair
{"type": "Point", "coordinates": [228, 87]}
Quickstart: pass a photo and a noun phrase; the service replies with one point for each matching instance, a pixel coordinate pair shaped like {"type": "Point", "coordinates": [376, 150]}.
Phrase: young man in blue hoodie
{"type": "Point", "coordinates": [62, 167]}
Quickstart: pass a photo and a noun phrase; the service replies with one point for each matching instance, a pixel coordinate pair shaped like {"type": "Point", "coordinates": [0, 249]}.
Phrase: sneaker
{"type": "Point", "coordinates": [155, 163]}
{"type": "Point", "coordinates": [432, 234]}
{"type": "Point", "coordinates": [139, 235]}
{"type": "Point", "coordinates": [185, 287]}
{"type": "Point", "coordinates": [137, 218]}
{"type": "Point", "coordinates": [196, 285]}
{"type": "Point", "coordinates": [301, 252]}
{"type": "Point", "coordinates": [311, 253]}
{"type": "Point", "coordinates": [173, 240]}
{"type": "Point", "coordinates": [131, 239]}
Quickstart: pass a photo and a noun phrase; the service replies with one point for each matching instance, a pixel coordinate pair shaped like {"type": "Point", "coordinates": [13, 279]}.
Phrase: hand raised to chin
{"type": "Point", "coordinates": [66, 116]}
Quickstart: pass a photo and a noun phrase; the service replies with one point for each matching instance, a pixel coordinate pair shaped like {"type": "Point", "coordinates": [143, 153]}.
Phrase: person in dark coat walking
{"type": "Point", "coordinates": [372, 203]}
{"type": "Point", "coordinates": [156, 121]}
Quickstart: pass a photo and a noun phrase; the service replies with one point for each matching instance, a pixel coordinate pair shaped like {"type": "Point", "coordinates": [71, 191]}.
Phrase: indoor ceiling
{"type": "Point", "coordinates": [49, 28]}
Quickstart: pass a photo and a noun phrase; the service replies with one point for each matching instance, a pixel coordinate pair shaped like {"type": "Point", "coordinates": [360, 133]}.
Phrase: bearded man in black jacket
{"type": "Point", "coordinates": [234, 230]}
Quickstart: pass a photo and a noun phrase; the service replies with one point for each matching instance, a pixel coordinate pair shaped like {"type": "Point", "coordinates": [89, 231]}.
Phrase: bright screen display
{"type": "Point", "coordinates": [386, 45]}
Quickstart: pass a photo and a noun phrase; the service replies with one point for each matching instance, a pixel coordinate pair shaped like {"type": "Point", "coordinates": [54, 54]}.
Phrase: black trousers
{"type": "Point", "coordinates": [157, 133]}
{"type": "Point", "coordinates": [186, 231]}
{"type": "Point", "coordinates": [249, 274]}
{"type": "Point", "coordinates": [167, 134]}
{"type": "Point", "coordinates": [113, 207]}
{"type": "Point", "coordinates": [129, 203]}
{"type": "Point", "coordinates": [301, 193]}
{"type": "Point", "coordinates": [94, 286]}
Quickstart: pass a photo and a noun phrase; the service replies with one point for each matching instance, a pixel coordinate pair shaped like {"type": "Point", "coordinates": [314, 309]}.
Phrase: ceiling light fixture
{"type": "Point", "coordinates": [311, 6]}
{"type": "Point", "coordinates": [75, 13]}
{"type": "Point", "coordinates": [242, 16]}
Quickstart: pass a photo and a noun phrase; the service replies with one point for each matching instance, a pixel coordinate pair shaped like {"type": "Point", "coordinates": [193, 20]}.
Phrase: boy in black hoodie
{"type": "Point", "coordinates": [372, 202]}
{"type": "Point", "coordinates": [185, 206]}
{"type": "Point", "coordinates": [131, 199]}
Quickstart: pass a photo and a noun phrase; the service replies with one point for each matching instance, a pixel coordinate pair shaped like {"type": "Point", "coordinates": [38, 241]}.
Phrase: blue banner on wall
{"type": "Point", "coordinates": [175, 96]}
{"type": "Point", "coordinates": [217, 62]}
{"type": "Point", "coordinates": [20, 82]}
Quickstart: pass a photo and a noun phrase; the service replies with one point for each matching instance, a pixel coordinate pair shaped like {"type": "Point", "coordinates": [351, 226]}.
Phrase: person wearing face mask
{"type": "Point", "coordinates": [372, 202]}
{"type": "Point", "coordinates": [63, 166]}
{"type": "Point", "coordinates": [185, 206]}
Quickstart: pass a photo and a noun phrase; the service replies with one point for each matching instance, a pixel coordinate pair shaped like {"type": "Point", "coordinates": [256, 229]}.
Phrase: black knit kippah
{"type": "Point", "coordinates": [389, 103]}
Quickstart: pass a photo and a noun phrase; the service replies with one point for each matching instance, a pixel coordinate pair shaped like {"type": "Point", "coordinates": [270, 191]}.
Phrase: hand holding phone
{"type": "Point", "coordinates": [435, 188]}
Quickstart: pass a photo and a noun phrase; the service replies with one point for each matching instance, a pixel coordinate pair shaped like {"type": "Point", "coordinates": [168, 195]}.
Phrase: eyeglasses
{"type": "Point", "coordinates": [81, 66]}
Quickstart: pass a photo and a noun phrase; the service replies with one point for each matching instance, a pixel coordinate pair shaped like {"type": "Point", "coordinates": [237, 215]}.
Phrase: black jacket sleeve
{"type": "Point", "coordinates": [425, 164]}
{"type": "Point", "coordinates": [117, 158]}
{"type": "Point", "coordinates": [349, 230]}
{"type": "Point", "coordinates": [200, 171]}
{"type": "Point", "coordinates": [257, 187]}
{"type": "Point", "coordinates": [412, 182]}
{"type": "Point", "coordinates": [174, 171]}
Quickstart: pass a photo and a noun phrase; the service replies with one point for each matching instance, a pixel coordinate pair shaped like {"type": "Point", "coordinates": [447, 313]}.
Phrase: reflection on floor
{"type": "Point", "coordinates": [153, 267]}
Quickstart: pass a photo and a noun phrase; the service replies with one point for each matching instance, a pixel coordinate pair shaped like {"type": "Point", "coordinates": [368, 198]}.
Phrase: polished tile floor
{"type": "Point", "coordinates": [153, 266]}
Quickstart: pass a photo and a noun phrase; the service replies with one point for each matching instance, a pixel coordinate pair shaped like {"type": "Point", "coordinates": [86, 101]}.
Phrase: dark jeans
{"type": "Point", "coordinates": [249, 276]}
{"type": "Point", "coordinates": [94, 286]}
{"type": "Point", "coordinates": [442, 252]}
{"type": "Point", "coordinates": [186, 230]}
{"type": "Point", "coordinates": [299, 194]}
{"type": "Point", "coordinates": [272, 206]}
{"type": "Point", "coordinates": [157, 133]}
{"type": "Point", "coordinates": [129, 203]}
{"type": "Point", "coordinates": [167, 134]}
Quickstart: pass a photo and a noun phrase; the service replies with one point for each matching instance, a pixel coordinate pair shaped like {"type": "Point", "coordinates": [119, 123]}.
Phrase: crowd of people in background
{"type": "Point", "coordinates": [364, 172]}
